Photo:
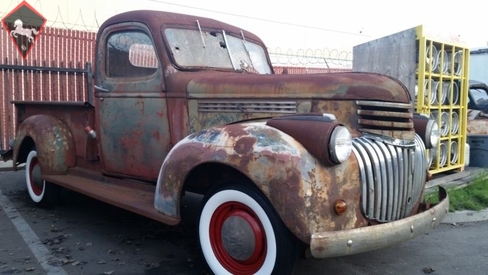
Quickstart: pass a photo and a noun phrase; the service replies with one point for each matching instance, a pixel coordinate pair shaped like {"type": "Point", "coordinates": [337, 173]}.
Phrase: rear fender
{"type": "Point", "coordinates": [294, 181]}
{"type": "Point", "coordinates": [53, 140]}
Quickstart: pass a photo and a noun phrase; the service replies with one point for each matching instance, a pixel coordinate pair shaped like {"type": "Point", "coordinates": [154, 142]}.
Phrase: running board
{"type": "Point", "coordinates": [134, 197]}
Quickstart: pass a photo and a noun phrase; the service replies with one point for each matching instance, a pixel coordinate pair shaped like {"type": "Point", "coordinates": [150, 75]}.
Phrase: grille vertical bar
{"type": "Point", "coordinates": [392, 177]}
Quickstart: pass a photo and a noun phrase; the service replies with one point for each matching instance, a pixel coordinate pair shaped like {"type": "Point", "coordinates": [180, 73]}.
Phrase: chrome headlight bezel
{"type": "Point", "coordinates": [428, 130]}
{"type": "Point", "coordinates": [340, 144]}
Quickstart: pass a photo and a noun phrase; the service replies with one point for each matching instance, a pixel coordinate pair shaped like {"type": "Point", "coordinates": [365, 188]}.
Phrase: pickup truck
{"type": "Point", "coordinates": [478, 96]}
{"type": "Point", "coordinates": [321, 165]}
{"type": "Point", "coordinates": [477, 110]}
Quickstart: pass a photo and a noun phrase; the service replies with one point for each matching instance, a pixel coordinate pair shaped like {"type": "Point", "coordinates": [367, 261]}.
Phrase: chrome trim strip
{"type": "Point", "coordinates": [362, 175]}
{"type": "Point", "coordinates": [376, 183]}
{"type": "Point", "coordinates": [383, 184]}
{"type": "Point", "coordinates": [389, 181]}
{"type": "Point", "coordinates": [367, 179]}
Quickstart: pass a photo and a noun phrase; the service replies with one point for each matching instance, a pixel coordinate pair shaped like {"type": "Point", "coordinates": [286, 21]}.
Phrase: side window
{"type": "Point", "coordinates": [130, 54]}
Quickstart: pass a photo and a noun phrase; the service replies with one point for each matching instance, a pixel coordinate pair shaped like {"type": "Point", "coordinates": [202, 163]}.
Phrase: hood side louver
{"type": "Point", "coordinates": [237, 106]}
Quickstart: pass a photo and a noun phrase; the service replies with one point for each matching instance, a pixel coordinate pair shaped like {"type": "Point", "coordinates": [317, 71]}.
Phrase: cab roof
{"type": "Point", "coordinates": [157, 19]}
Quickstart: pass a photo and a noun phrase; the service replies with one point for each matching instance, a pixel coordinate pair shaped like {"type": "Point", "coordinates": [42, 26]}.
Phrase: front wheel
{"type": "Point", "coordinates": [42, 193]}
{"type": "Point", "coordinates": [241, 233]}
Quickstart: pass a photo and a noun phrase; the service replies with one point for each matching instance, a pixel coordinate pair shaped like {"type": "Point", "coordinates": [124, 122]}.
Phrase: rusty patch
{"type": "Point", "coordinates": [244, 145]}
{"type": "Point", "coordinates": [287, 196]}
{"type": "Point", "coordinates": [344, 111]}
{"type": "Point", "coordinates": [53, 141]}
{"type": "Point", "coordinates": [236, 130]}
{"type": "Point", "coordinates": [372, 92]}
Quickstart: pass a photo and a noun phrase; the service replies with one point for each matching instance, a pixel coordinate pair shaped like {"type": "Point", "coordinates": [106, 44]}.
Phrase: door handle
{"type": "Point", "coordinates": [101, 89]}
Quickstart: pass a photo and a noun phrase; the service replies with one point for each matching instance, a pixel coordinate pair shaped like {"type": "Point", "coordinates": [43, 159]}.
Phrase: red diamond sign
{"type": "Point", "coordinates": [24, 24]}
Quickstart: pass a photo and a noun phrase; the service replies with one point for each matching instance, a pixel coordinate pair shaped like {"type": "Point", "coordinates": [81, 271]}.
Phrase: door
{"type": "Point", "coordinates": [132, 109]}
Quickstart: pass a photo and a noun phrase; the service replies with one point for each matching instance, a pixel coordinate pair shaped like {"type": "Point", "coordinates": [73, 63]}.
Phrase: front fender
{"type": "Point", "coordinates": [53, 140]}
{"type": "Point", "coordinates": [300, 188]}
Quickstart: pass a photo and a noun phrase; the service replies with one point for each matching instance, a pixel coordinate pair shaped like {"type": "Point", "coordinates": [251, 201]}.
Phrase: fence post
{"type": "Point", "coordinates": [89, 82]}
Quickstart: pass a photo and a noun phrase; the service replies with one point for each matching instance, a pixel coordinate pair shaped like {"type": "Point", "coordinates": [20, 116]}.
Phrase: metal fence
{"type": "Point", "coordinates": [330, 60]}
{"type": "Point", "coordinates": [56, 69]}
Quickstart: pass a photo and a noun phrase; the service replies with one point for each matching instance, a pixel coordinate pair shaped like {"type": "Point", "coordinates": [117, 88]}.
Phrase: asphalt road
{"type": "Point", "coordinates": [83, 236]}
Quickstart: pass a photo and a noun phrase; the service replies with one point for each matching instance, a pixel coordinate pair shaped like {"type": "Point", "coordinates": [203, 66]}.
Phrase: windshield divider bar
{"type": "Point", "coordinates": [201, 34]}
{"type": "Point", "coordinates": [242, 34]}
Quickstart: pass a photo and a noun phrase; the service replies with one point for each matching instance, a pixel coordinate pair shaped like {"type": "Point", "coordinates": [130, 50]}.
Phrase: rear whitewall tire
{"type": "Point", "coordinates": [36, 192]}
{"type": "Point", "coordinates": [42, 193]}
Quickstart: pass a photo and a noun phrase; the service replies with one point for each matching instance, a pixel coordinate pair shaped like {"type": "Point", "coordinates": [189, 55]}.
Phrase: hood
{"type": "Point", "coordinates": [331, 86]}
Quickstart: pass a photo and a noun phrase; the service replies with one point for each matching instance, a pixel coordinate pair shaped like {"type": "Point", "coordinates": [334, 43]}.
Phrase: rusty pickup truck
{"type": "Point", "coordinates": [322, 165]}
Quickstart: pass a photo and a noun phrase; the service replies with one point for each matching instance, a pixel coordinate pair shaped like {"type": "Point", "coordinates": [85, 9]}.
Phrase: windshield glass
{"type": "Point", "coordinates": [216, 49]}
{"type": "Point", "coordinates": [478, 95]}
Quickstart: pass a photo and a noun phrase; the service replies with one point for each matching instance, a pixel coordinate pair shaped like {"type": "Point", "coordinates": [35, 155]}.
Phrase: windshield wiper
{"type": "Point", "coordinates": [228, 50]}
{"type": "Point", "coordinates": [244, 43]}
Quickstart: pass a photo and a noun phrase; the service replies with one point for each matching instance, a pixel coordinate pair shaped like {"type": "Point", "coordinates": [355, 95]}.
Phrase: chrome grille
{"type": "Point", "coordinates": [386, 119]}
{"type": "Point", "coordinates": [392, 177]}
{"type": "Point", "coordinates": [284, 107]}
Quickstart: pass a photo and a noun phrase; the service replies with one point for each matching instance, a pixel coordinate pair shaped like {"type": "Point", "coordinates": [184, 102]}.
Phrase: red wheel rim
{"type": "Point", "coordinates": [37, 188]}
{"type": "Point", "coordinates": [253, 263]}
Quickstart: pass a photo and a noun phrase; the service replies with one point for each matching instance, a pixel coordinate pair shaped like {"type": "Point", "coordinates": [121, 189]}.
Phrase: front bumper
{"type": "Point", "coordinates": [357, 240]}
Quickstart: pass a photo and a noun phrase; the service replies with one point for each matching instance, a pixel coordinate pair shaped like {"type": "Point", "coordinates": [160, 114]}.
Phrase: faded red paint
{"type": "Point", "coordinates": [244, 145]}
{"type": "Point", "coordinates": [300, 127]}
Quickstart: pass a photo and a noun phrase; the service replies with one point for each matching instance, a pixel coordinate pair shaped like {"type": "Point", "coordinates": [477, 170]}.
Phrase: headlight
{"type": "Point", "coordinates": [340, 144]}
{"type": "Point", "coordinates": [427, 129]}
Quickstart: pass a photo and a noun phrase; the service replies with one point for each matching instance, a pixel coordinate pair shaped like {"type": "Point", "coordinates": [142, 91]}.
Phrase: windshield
{"type": "Point", "coordinates": [216, 49]}
{"type": "Point", "coordinates": [478, 95]}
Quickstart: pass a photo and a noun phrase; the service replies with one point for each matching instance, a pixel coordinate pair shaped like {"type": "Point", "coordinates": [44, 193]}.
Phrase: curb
{"type": "Point", "coordinates": [466, 216]}
{"type": "Point", "coordinates": [6, 165]}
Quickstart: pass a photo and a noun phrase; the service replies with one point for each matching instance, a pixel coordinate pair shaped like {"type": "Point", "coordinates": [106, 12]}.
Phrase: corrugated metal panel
{"type": "Point", "coordinates": [53, 48]}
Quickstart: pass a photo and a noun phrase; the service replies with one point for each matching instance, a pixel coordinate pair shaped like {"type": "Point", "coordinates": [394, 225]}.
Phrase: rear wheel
{"type": "Point", "coordinates": [42, 193]}
{"type": "Point", "coordinates": [241, 233]}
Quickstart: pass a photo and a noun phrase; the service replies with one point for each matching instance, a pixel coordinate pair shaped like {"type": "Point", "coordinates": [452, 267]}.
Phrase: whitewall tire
{"type": "Point", "coordinates": [42, 193]}
{"type": "Point", "coordinates": [240, 233]}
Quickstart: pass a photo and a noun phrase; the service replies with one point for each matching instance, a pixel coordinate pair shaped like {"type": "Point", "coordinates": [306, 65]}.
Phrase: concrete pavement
{"type": "Point", "coordinates": [459, 179]}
